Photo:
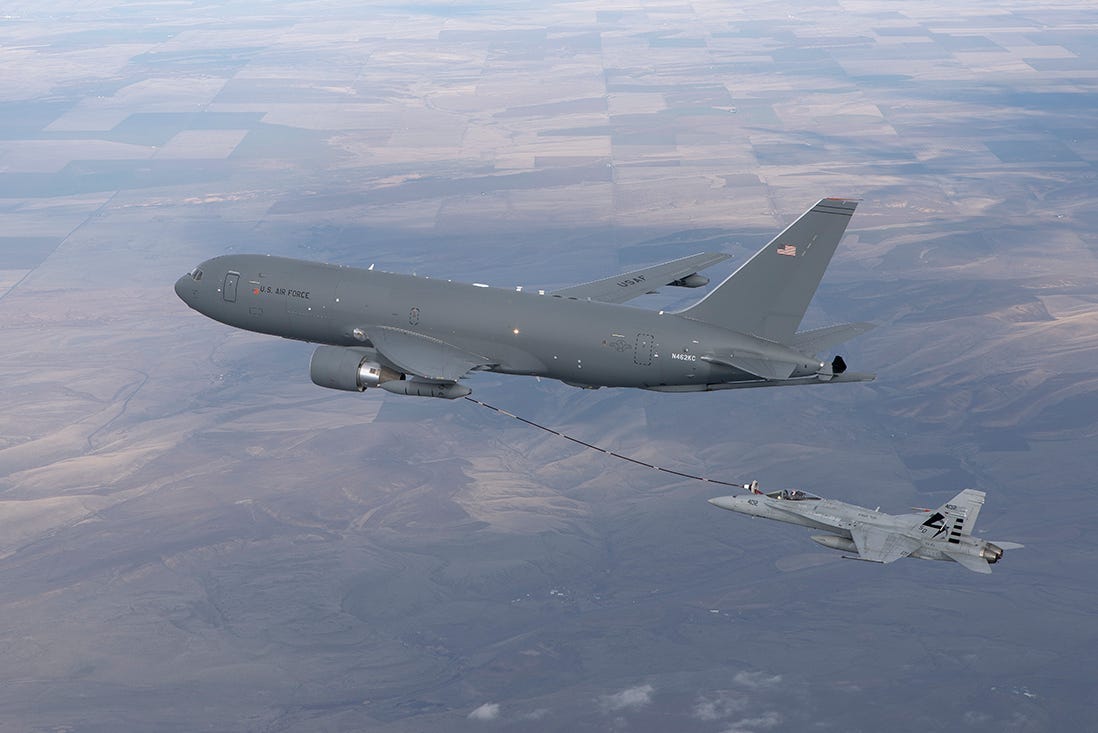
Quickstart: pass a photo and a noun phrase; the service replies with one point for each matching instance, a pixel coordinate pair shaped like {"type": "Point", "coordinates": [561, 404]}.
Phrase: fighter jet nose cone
{"type": "Point", "coordinates": [722, 502]}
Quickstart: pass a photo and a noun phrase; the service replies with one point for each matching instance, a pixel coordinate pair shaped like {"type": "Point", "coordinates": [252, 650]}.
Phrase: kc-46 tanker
{"type": "Point", "coordinates": [419, 336]}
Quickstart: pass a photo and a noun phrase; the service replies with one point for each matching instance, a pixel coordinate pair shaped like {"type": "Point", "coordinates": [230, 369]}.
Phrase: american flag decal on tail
{"type": "Point", "coordinates": [789, 250]}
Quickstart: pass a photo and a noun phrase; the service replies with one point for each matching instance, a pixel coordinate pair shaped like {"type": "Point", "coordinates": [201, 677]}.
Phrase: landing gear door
{"type": "Point", "coordinates": [232, 279]}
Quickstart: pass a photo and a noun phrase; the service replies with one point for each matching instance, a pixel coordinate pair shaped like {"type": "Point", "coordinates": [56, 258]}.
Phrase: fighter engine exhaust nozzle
{"type": "Point", "coordinates": [991, 552]}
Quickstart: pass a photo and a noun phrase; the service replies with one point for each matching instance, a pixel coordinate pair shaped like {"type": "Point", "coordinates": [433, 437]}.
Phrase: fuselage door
{"type": "Point", "coordinates": [642, 352]}
{"type": "Point", "coordinates": [229, 291]}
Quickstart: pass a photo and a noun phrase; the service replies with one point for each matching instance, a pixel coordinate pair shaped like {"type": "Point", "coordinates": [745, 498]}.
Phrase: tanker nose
{"type": "Point", "coordinates": [181, 287]}
{"type": "Point", "coordinates": [186, 288]}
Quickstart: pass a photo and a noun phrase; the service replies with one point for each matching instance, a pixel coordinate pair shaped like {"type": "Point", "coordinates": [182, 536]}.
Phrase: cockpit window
{"type": "Point", "coordinates": [196, 274]}
{"type": "Point", "coordinates": [793, 495]}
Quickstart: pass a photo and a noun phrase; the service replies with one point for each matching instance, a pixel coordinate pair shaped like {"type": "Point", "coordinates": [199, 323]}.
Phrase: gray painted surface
{"type": "Point", "coordinates": [945, 534]}
{"type": "Point", "coordinates": [741, 334]}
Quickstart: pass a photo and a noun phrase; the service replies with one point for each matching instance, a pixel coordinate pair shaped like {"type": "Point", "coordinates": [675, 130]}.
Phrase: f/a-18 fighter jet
{"type": "Point", "coordinates": [419, 336]}
{"type": "Point", "coordinates": [942, 534]}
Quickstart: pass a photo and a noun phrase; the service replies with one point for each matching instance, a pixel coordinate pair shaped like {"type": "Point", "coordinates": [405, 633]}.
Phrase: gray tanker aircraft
{"type": "Point", "coordinates": [944, 535]}
{"type": "Point", "coordinates": [420, 336]}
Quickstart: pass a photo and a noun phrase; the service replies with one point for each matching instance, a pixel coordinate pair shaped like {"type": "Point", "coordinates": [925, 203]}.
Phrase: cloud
{"type": "Point", "coordinates": [630, 698]}
{"type": "Point", "coordinates": [752, 725]}
{"type": "Point", "coordinates": [973, 717]}
{"type": "Point", "coordinates": [719, 705]}
{"type": "Point", "coordinates": [487, 711]}
{"type": "Point", "coordinates": [757, 680]}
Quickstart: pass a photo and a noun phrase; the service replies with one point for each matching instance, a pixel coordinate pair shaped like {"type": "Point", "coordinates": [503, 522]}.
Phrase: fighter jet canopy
{"type": "Point", "coordinates": [793, 495]}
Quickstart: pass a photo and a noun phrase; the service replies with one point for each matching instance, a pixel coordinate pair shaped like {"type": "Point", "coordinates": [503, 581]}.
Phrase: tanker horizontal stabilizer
{"type": "Point", "coordinates": [848, 377]}
{"type": "Point", "coordinates": [822, 339]}
{"type": "Point", "coordinates": [759, 366]}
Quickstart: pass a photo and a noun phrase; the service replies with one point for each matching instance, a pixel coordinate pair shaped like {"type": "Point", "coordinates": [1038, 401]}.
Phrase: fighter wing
{"type": "Point", "coordinates": [629, 285]}
{"type": "Point", "coordinates": [423, 356]}
{"type": "Point", "coordinates": [882, 545]}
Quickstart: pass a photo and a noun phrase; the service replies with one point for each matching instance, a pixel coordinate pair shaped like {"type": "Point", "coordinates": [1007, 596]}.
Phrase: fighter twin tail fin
{"type": "Point", "coordinates": [769, 294]}
{"type": "Point", "coordinates": [955, 519]}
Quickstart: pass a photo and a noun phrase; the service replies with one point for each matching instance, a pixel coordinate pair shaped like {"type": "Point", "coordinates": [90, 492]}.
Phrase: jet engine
{"type": "Point", "coordinates": [354, 369]}
{"type": "Point", "coordinates": [991, 553]}
{"type": "Point", "coordinates": [351, 369]}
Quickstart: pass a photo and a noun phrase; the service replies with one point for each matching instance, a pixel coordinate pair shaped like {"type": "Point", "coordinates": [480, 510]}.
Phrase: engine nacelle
{"type": "Point", "coordinates": [351, 369]}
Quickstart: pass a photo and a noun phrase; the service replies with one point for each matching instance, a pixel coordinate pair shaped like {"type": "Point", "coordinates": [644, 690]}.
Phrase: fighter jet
{"type": "Point", "coordinates": [942, 534]}
{"type": "Point", "coordinates": [419, 336]}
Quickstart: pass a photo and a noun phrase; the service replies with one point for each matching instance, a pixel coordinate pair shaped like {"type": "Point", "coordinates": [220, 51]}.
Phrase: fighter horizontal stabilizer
{"type": "Point", "coordinates": [881, 545]}
{"type": "Point", "coordinates": [423, 356]}
{"type": "Point", "coordinates": [822, 339]}
{"type": "Point", "coordinates": [973, 563]}
{"type": "Point", "coordinates": [629, 285]}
